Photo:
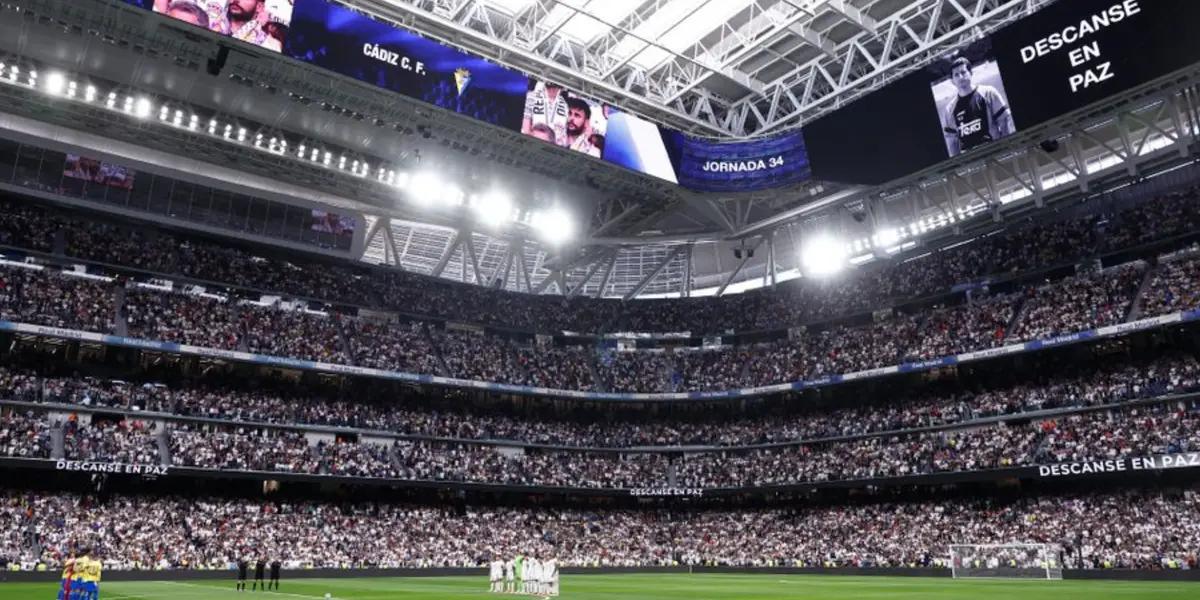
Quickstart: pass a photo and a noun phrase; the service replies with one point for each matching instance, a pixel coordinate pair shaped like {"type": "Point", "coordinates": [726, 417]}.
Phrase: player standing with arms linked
{"type": "Point", "coordinates": [68, 573]}
{"type": "Point", "coordinates": [275, 568]}
{"type": "Point", "coordinates": [260, 568]}
{"type": "Point", "coordinates": [243, 565]}
{"type": "Point", "coordinates": [510, 576]}
{"type": "Point", "coordinates": [495, 575]}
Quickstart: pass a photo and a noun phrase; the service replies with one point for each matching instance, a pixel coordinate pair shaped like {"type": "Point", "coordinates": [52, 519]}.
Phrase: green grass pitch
{"type": "Point", "coordinates": [641, 587]}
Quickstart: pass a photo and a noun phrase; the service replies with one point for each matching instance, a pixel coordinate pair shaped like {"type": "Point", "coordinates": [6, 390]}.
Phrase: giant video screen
{"type": "Point", "coordinates": [581, 124]}
{"type": "Point", "coordinates": [1068, 55]}
{"type": "Point", "coordinates": [1064, 57]}
{"type": "Point", "coordinates": [263, 23]}
{"type": "Point", "coordinates": [339, 39]}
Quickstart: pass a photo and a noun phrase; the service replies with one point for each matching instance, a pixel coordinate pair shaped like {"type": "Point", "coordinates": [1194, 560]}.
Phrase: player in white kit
{"type": "Point", "coordinates": [510, 576]}
{"type": "Point", "coordinates": [551, 576]}
{"type": "Point", "coordinates": [531, 574]}
{"type": "Point", "coordinates": [496, 575]}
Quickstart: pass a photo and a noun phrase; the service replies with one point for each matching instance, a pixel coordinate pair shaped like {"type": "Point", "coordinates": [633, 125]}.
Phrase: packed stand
{"type": "Point", "coordinates": [1017, 247]}
{"type": "Point", "coordinates": [562, 368]}
{"type": "Point", "coordinates": [56, 299]}
{"type": "Point", "coordinates": [24, 435]}
{"type": "Point", "coordinates": [1163, 428]}
{"type": "Point", "coordinates": [1141, 529]}
{"type": "Point", "coordinates": [182, 318]}
{"type": "Point", "coordinates": [478, 356]}
{"type": "Point", "coordinates": [292, 333]}
{"type": "Point", "coordinates": [293, 452]}
{"type": "Point", "coordinates": [1109, 385]}
{"type": "Point", "coordinates": [1081, 302]}
{"type": "Point", "coordinates": [712, 369]}
{"type": "Point", "coordinates": [24, 225]}
{"type": "Point", "coordinates": [978, 325]}
{"type": "Point", "coordinates": [1174, 287]}
{"type": "Point", "coordinates": [243, 449]}
{"type": "Point", "coordinates": [127, 246]}
{"type": "Point", "coordinates": [127, 441]}
{"type": "Point", "coordinates": [637, 371]}
{"type": "Point", "coordinates": [392, 346]}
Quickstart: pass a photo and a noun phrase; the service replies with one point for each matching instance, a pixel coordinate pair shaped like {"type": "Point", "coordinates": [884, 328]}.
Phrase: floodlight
{"type": "Point", "coordinates": [493, 208]}
{"type": "Point", "coordinates": [55, 83]}
{"type": "Point", "coordinates": [823, 255]}
{"type": "Point", "coordinates": [425, 187]}
{"type": "Point", "coordinates": [143, 108]}
{"type": "Point", "coordinates": [886, 237]}
{"type": "Point", "coordinates": [554, 225]}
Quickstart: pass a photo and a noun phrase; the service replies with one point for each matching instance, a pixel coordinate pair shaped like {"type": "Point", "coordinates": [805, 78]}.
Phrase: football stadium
{"type": "Point", "coordinates": [598, 299]}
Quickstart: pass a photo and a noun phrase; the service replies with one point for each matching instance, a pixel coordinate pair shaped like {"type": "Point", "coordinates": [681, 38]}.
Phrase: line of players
{"type": "Point", "coordinates": [80, 577]}
{"type": "Point", "coordinates": [524, 575]}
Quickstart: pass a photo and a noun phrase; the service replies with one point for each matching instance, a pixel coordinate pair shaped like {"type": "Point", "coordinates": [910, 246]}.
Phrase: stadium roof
{"type": "Point", "coordinates": [719, 68]}
{"type": "Point", "coordinates": [636, 236]}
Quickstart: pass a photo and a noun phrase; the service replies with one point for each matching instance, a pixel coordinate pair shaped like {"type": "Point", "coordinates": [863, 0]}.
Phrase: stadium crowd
{"type": "Point", "coordinates": [1147, 530]}
{"type": "Point", "coordinates": [1016, 247]}
{"type": "Point", "coordinates": [1145, 430]}
{"type": "Point", "coordinates": [1111, 384]}
{"type": "Point", "coordinates": [24, 435]}
{"type": "Point", "coordinates": [128, 441]}
{"type": "Point", "coordinates": [284, 330]}
{"type": "Point", "coordinates": [57, 300]}
{"type": "Point", "coordinates": [1173, 288]}
{"type": "Point", "coordinates": [971, 322]}
{"type": "Point", "coordinates": [1080, 302]}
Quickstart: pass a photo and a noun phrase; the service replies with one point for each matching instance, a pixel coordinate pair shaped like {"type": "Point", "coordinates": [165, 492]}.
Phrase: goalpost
{"type": "Point", "coordinates": [1019, 561]}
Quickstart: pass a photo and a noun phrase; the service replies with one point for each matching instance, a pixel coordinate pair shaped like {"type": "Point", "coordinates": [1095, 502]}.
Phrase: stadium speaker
{"type": "Point", "coordinates": [1049, 146]}
{"type": "Point", "coordinates": [737, 253]}
{"type": "Point", "coordinates": [217, 63]}
{"type": "Point", "coordinates": [749, 252]}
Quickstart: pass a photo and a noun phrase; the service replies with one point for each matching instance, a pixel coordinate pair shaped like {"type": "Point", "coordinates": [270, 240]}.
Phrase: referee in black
{"type": "Point", "coordinates": [274, 584]}
{"type": "Point", "coordinates": [260, 567]}
{"type": "Point", "coordinates": [243, 566]}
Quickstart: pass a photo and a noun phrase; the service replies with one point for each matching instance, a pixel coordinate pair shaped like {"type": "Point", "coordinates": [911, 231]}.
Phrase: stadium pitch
{"type": "Point", "coordinates": [641, 587]}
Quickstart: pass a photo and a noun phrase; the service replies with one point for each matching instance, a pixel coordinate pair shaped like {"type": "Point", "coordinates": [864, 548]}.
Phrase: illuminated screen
{"type": "Point", "coordinates": [95, 171]}
{"type": "Point", "coordinates": [264, 23]}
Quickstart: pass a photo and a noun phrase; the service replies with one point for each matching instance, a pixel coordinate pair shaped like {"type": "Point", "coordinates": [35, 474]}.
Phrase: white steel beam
{"type": "Point", "coordinates": [648, 277]}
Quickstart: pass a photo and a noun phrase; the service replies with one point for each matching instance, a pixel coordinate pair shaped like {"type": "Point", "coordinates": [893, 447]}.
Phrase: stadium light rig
{"type": "Point", "coordinates": [56, 83]}
{"type": "Point", "coordinates": [553, 225]}
{"type": "Point", "coordinates": [823, 256]}
{"type": "Point", "coordinates": [492, 208]}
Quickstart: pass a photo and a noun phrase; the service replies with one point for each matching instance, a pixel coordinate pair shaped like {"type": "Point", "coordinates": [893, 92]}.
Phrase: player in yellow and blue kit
{"type": "Point", "coordinates": [77, 575]}
{"type": "Point", "coordinates": [91, 576]}
{"type": "Point", "coordinates": [97, 571]}
{"type": "Point", "coordinates": [64, 588]}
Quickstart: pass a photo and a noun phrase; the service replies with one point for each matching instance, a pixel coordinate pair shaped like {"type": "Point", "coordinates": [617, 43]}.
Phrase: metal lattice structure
{"type": "Point", "coordinates": [721, 68]}
{"type": "Point", "coordinates": [636, 238]}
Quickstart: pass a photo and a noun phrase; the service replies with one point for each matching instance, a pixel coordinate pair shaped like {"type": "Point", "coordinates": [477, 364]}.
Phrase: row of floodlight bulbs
{"type": "Point", "coordinates": [890, 239]}
{"type": "Point", "coordinates": [493, 209]}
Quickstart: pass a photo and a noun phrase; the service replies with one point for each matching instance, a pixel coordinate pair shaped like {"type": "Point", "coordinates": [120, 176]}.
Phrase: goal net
{"type": "Point", "coordinates": [1022, 561]}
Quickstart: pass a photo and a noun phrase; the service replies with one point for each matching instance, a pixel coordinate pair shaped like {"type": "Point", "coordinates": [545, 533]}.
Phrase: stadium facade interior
{"type": "Point", "coordinates": [868, 286]}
